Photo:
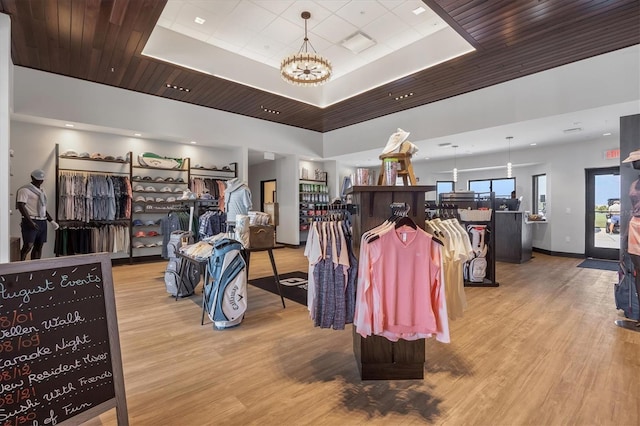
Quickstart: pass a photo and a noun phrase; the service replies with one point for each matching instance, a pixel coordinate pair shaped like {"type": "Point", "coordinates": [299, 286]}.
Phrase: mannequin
{"type": "Point", "coordinates": [31, 201]}
{"type": "Point", "coordinates": [237, 200]}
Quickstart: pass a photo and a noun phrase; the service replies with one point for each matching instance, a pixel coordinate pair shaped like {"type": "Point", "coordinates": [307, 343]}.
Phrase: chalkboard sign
{"type": "Point", "coordinates": [60, 359]}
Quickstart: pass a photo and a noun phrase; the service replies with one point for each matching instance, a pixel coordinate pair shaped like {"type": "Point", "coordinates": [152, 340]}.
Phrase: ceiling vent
{"type": "Point", "coordinates": [358, 42]}
{"type": "Point", "coordinates": [444, 144]}
{"type": "Point", "coordinates": [573, 130]}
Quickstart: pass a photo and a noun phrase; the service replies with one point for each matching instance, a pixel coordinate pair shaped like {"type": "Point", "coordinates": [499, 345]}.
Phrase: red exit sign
{"type": "Point", "coordinates": [612, 154]}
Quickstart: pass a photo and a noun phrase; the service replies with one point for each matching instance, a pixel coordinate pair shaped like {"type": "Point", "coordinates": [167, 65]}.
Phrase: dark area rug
{"type": "Point", "coordinates": [293, 286]}
{"type": "Point", "coordinates": [605, 265]}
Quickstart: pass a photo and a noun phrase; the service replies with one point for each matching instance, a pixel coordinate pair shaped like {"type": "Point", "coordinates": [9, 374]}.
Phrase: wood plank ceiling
{"type": "Point", "coordinates": [101, 41]}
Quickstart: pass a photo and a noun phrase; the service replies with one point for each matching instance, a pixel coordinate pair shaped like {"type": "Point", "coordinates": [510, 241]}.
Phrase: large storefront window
{"type": "Point", "coordinates": [501, 187]}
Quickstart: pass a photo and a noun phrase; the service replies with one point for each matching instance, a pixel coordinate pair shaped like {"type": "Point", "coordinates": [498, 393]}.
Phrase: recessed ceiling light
{"type": "Point", "coordinates": [272, 111]}
{"type": "Point", "coordinates": [427, 158]}
{"type": "Point", "coordinates": [606, 134]}
{"type": "Point", "coordinates": [69, 125]}
{"type": "Point", "coordinates": [419, 10]}
{"type": "Point", "coordinates": [533, 144]}
{"type": "Point", "coordinates": [137, 134]}
{"type": "Point", "coordinates": [180, 88]}
{"type": "Point", "coordinates": [193, 142]}
{"type": "Point", "coordinates": [199, 20]}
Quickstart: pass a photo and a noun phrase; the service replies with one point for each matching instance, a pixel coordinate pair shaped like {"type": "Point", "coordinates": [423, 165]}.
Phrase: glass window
{"type": "Point", "coordinates": [539, 194]}
{"type": "Point", "coordinates": [480, 185]}
{"type": "Point", "coordinates": [502, 187]}
{"type": "Point", "coordinates": [442, 187]}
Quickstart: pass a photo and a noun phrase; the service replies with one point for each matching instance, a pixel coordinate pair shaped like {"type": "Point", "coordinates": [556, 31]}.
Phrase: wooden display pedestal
{"type": "Point", "coordinates": [377, 357]}
{"type": "Point", "coordinates": [381, 359]}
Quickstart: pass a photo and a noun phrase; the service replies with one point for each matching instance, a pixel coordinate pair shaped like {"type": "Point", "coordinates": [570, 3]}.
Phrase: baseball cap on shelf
{"type": "Point", "coordinates": [150, 199]}
{"type": "Point", "coordinates": [137, 177]}
{"type": "Point", "coordinates": [138, 245]}
{"type": "Point", "coordinates": [146, 178]}
{"type": "Point", "coordinates": [140, 198]}
{"type": "Point", "coordinates": [171, 199]}
{"type": "Point", "coordinates": [138, 188]}
{"type": "Point", "coordinates": [139, 234]}
{"type": "Point", "coordinates": [110, 157]}
{"type": "Point", "coordinates": [152, 234]}
{"type": "Point", "coordinates": [169, 179]}
{"type": "Point", "coordinates": [159, 179]}
{"type": "Point", "coordinates": [177, 190]}
{"type": "Point", "coordinates": [138, 209]}
{"type": "Point", "coordinates": [150, 222]}
{"type": "Point", "coordinates": [150, 189]}
{"type": "Point", "coordinates": [38, 174]}
{"type": "Point", "coordinates": [160, 200]}
{"type": "Point", "coordinates": [85, 155]}
{"type": "Point", "coordinates": [70, 153]}
{"type": "Point", "coordinates": [165, 189]}
{"type": "Point", "coordinates": [151, 245]}
{"type": "Point", "coordinates": [180, 180]}
{"type": "Point", "coordinates": [120, 158]}
{"type": "Point", "coordinates": [96, 156]}
{"type": "Point", "coordinates": [137, 222]}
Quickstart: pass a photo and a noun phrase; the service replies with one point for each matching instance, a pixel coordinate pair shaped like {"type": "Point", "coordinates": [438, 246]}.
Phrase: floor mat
{"type": "Point", "coordinates": [606, 265]}
{"type": "Point", "coordinates": [293, 286]}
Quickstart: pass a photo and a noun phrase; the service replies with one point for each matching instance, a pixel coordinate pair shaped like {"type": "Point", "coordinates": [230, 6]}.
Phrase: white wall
{"type": "Point", "coordinates": [34, 147]}
{"type": "Point", "coordinates": [595, 82]}
{"type": "Point", "coordinates": [6, 68]}
{"type": "Point", "coordinates": [79, 101]}
{"type": "Point", "coordinates": [564, 166]}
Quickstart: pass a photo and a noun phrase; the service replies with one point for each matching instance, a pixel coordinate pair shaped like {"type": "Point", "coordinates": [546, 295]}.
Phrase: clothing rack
{"type": "Point", "coordinates": [377, 357]}
{"type": "Point", "coordinates": [476, 201]}
{"type": "Point", "coordinates": [89, 172]}
{"type": "Point", "coordinates": [443, 210]}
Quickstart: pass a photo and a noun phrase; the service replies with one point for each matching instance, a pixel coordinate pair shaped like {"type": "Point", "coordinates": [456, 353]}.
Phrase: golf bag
{"type": "Point", "coordinates": [475, 270]}
{"type": "Point", "coordinates": [626, 290]}
{"type": "Point", "coordinates": [225, 291]}
{"type": "Point", "coordinates": [191, 276]}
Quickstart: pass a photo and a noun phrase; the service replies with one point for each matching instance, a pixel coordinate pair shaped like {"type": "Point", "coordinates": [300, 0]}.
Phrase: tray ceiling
{"type": "Point", "coordinates": [103, 41]}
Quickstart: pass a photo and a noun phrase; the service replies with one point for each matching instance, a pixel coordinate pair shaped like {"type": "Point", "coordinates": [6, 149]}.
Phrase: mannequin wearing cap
{"type": "Point", "coordinates": [31, 201]}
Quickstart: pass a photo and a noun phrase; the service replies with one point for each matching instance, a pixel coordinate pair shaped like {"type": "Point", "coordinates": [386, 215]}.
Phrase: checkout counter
{"type": "Point", "coordinates": [513, 236]}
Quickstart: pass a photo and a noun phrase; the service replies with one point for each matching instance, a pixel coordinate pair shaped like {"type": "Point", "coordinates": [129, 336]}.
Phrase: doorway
{"type": "Point", "coordinates": [268, 192]}
{"type": "Point", "coordinates": [603, 190]}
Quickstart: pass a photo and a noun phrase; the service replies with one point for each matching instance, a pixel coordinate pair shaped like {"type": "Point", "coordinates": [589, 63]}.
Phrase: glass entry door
{"type": "Point", "coordinates": [602, 233]}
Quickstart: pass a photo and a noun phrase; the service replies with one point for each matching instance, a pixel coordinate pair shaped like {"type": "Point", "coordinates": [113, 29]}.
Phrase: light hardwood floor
{"type": "Point", "coordinates": [541, 349]}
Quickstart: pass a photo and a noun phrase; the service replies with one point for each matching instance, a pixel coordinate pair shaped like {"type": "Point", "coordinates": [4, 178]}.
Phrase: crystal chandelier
{"type": "Point", "coordinates": [305, 68]}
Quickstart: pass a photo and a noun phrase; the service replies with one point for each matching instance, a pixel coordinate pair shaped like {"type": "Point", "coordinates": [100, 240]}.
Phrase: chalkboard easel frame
{"type": "Point", "coordinates": [119, 402]}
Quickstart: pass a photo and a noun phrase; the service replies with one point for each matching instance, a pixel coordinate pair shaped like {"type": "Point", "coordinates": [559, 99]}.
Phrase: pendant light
{"type": "Point", "coordinates": [509, 157]}
{"type": "Point", "coordinates": [306, 68]}
{"type": "Point", "coordinates": [455, 168]}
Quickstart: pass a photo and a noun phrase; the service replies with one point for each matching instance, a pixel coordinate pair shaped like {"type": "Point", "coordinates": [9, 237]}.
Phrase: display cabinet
{"type": "Point", "coordinates": [314, 202]}
{"type": "Point", "coordinates": [156, 192]}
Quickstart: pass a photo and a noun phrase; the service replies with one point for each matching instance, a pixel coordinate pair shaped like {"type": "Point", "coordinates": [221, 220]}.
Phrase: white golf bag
{"type": "Point", "coordinates": [475, 269]}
